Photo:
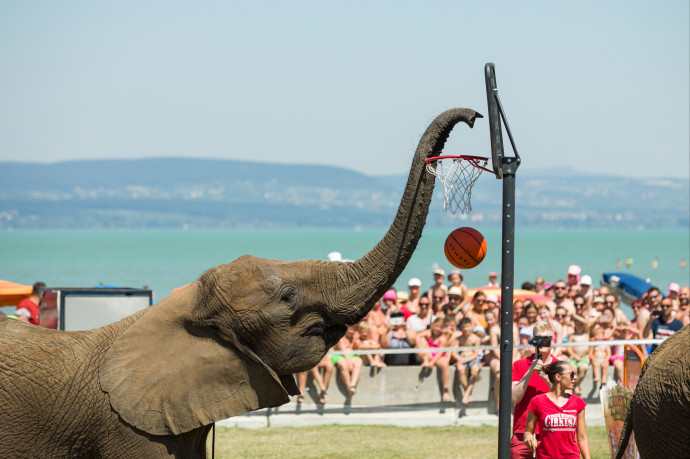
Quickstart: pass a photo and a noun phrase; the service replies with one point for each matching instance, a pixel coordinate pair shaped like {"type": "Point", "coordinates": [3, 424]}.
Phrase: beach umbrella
{"type": "Point", "coordinates": [12, 293]}
{"type": "Point", "coordinates": [517, 294]}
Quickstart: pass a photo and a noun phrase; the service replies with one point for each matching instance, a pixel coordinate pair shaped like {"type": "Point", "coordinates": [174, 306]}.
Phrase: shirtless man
{"type": "Point", "coordinates": [611, 301]}
{"type": "Point", "coordinates": [466, 361]}
{"type": "Point", "coordinates": [476, 314]}
{"type": "Point", "coordinates": [560, 290]}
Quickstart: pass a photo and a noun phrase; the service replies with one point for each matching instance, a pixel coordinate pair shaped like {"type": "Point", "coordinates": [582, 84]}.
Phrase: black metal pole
{"type": "Point", "coordinates": [507, 281]}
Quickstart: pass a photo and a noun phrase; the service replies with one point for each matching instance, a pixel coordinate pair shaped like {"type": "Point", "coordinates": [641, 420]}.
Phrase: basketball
{"type": "Point", "coordinates": [465, 248]}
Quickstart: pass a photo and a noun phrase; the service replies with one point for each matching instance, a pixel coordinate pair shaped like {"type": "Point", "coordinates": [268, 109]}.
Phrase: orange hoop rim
{"type": "Point", "coordinates": [474, 160]}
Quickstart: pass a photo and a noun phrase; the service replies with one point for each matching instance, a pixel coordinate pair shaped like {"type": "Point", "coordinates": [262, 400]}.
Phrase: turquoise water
{"type": "Point", "coordinates": [167, 259]}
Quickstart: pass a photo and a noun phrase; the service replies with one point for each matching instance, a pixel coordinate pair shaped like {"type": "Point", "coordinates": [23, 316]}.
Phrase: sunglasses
{"type": "Point", "coordinates": [653, 296]}
{"type": "Point", "coordinates": [579, 304]}
{"type": "Point", "coordinates": [438, 297]}
{"type": "Point", "coordinates": [560, 288]}
{"type": "Point", "coordinates": [424, 304]}
{"type": "Point", "coordinates": [560, 316]}
{"type": "Point", "coordinates": [667, 305]}
{"type": "Point", "coordinates": [572, 374]}
{"type": "Point", "coordinates": [479, 301]}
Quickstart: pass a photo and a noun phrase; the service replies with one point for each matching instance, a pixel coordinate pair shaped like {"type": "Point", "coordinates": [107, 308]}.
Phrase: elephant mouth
{"type": "Point", "coordinates": [333, 334]}
{"type": "Point", "coordinates": [330, 333]}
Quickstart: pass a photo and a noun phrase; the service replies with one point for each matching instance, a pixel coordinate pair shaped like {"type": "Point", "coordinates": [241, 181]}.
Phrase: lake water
{"type": "Point", "coordinates": [167, 259]}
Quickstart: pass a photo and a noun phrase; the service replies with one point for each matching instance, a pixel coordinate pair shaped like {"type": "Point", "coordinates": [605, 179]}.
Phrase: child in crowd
{"type": "Point", "coordinates": [364, 341]}
{"type": "Point", "coordinates": [431, 338]}
{"type": "Point", "coordinates": [321, 381]}
{"type": "Point", "coordinates": [599, 356]}
{"type": "Point", "coordinates": [349, 365]}
{"type": "Point", "coordinates": [467, 361]}
{"type": "Point", "coordinates": [579, 355]}
{"type": "Point", "coordinates": [621, 332]}
{"type": "Point", "coordinates": [450, 325]}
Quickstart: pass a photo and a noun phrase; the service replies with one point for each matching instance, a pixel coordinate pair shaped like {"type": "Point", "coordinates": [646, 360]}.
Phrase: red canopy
{"type": "Point", "coordinates": [12, 293]}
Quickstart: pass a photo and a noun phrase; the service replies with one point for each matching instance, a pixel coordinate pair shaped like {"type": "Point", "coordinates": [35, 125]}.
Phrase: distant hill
{"type": "Point", "coordinates": [200, 193]}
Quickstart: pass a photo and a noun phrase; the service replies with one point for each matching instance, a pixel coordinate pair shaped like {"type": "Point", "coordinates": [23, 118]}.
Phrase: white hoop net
{"type": "Point", "coordinates": [458, 175]}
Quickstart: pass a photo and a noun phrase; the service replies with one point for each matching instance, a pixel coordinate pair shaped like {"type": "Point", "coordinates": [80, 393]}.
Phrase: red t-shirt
{"type": "Point", "coordinates": [558, 426]}
{"type": "Point", "coordinates": [32, 307]}
{"type": "Point", "coordinates": [535, 386]}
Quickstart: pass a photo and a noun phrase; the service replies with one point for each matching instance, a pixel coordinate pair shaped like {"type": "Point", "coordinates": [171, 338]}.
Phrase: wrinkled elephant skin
{"type": "Point", "coordinates": [152, 384]}
{"type": "Point", "coordinates": [659, 412]}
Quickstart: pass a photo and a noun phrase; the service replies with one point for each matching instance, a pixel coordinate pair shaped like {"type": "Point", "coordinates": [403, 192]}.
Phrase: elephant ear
{"type": "Point", "coordinates": [165, 378]}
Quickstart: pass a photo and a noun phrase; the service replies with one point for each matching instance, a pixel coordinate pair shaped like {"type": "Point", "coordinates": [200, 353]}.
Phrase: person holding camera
{"type": "Point", "coordinates": [664, 325]}
{"type": "Point", "coordinates": [529, 381]}
{"type": "Point", "coordinates": [560, 417]}
{"type": "Point", "coordinates": [399, 336]}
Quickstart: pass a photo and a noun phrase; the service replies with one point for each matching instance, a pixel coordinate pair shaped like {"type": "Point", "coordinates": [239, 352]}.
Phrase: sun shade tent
{"type": "Point", "coordinates": [12, 293]}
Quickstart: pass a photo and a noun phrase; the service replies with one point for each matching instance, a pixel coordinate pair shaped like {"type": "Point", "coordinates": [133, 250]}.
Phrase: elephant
{"type": "Point", "coordinates": [153, 384]}
{"type": "Point", "coordinates": [659, 412]}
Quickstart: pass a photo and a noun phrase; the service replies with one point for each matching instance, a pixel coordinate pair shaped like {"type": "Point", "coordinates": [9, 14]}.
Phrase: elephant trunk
{"type": "Point", "coordinates": [363, 282]}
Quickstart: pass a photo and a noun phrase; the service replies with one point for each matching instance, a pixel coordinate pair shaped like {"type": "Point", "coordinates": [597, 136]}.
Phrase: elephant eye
{"type": "Point", "coordinates": [288, 296]}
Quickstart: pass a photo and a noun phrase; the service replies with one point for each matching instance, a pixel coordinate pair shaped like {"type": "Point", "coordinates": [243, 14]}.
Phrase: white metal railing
{"type": "Point", "coordinates": [421, 350]}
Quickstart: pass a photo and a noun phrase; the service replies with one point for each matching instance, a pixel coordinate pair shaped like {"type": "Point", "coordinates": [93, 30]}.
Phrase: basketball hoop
{"type": "Point", "coordinates": [458, 173]}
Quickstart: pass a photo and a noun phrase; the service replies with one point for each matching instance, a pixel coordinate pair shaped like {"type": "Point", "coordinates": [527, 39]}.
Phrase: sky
{"type": "Point", "coordinates": [593, 86]}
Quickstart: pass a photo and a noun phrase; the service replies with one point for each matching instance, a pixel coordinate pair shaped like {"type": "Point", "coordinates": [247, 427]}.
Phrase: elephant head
{"type": "Point", "coordinates": [230, 342]}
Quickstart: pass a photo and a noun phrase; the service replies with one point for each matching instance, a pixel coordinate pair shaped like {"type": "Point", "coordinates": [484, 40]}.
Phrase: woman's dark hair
{"type": "Point", "coordinates": [530, 306]}
{"type": "Point", "coordinates": [554, 368]}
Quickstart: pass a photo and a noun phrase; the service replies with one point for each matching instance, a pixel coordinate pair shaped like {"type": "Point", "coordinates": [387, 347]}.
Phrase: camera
{"type": "Point", "coordinates": [540, 341]}
{"type": "Point", "coordinates": [397, 318]}
{"type": "Point", "coordinates": [657, 313]}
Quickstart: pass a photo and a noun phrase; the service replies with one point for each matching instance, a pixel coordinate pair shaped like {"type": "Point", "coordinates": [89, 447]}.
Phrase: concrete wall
{"type": "Point", "coordinates": [399, 396]}
{"type": "Point", "coordinates": [413, 385]}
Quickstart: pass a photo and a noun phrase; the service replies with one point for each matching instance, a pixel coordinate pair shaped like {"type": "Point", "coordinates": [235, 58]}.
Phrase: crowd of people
{"type": "Point", "coordinates": [448, 314]}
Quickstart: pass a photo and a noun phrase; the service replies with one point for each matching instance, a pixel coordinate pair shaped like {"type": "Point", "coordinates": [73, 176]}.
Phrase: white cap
{"type": "Point", "coordinates": [335, 256]}
{"type": "Point", "coordinates": [414, 282]}
{"type": "Point", "coordinates": [586, 280]}
{"type": "Point", "coordinates": [455, 290]}
{"type": "Point", "coordinates": [491, 297]}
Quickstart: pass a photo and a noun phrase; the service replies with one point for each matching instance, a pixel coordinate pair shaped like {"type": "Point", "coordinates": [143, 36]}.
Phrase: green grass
{"type": "Point", "coordinates": [347, 441]}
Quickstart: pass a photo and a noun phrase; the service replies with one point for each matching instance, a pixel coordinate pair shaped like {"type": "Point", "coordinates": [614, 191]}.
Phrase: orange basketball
{"type": "Point", "coordinates": [465, 247]}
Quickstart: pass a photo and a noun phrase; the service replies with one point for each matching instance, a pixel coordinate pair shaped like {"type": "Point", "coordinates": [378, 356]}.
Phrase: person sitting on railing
{"type": "Point", "coordinates": [435, 337]}
{"type": "Point", "coordinates": [321, 381]}
{"type": "Point", "coordinates": [349, 365]}
{"type": "Point", "coordinates": [363, 340]}
{"type": "Point", "coordinates": [621, 332]}
{"type": "Point", "coordinates": [399, 336]}
{"type": "Point", "coordinates": [578, 355]}
{"type": "Point", "coordinates": [467, 362]}
{"type": "Point", "coordinates": [599, 356]}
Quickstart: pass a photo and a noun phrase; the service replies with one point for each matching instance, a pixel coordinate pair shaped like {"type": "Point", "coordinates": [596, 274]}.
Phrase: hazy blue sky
{"type": "Point", "coordinates": [597, 86]}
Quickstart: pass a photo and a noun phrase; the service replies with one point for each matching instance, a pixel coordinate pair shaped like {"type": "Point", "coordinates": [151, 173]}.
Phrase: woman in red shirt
{"type": "Point", "coordinates": [560, 416]}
